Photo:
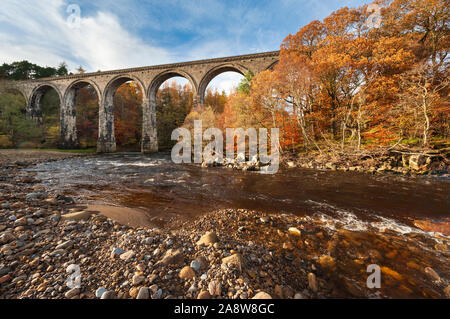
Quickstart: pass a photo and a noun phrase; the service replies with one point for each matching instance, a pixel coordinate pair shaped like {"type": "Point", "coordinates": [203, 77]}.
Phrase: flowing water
{"type": "Point", "coordinates": [157, 185]}
{"type": "Point", "coordinates": [374, 213]}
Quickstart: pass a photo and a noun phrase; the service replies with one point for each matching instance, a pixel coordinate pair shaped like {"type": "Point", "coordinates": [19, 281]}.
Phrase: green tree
{"type": "Point", "coordinates": [244, 85]}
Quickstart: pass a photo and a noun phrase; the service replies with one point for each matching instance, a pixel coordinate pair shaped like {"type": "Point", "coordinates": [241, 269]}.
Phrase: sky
{"type": "Point", "coordinates": [108, 35]}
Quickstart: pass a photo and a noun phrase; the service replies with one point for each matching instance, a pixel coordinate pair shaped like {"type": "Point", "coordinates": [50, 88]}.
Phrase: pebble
{"type": "Point", "coordinates": [294, 231]}
{"type": "Point", "coordinates": [109, 295]}
{"type": "Point", "coordinates": [262, 295]}
{"type": "Point", "coordinates": [157, 294]}
{"type": "Point", "coordinates": [187, 273]}
{"type": "Point", "coordinates": [312, 282]}
{"type": "Point", "coordinates": [72, 293]}
{"type": "Point", "coordinates": [127, 255]}
{"type": "Point", "coordinates": [143, 293]}
{"type": "Point", "coordinates": [195, 264]}
{"type": "Point", "coordinates": [204, 295]}
{"type": "Point", "coordinates": [432, 274]}
{"type": "Point", "coordinates": [235, 259]}
{"type": "Point", "coordinates": [207, 239]}
{"type": "Point", "coordinates": [137, 279]}
{"type": "Point", "coordinates": [100, 291]}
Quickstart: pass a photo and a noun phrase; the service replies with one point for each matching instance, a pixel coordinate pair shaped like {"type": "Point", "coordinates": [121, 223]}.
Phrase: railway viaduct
{"type": "Point", "coordinates": [149, 79]}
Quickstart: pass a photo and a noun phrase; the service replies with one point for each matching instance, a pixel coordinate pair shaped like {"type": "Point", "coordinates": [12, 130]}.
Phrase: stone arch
{"type": "Point", "coordinates": [106, 136]}
{"type": "Point", "coordinates": [69, 134]}
{"type": "Point", "coordinates": [34, 102]}
{"type": "Point", "coordinates": [80, 83]}
{"type": "Point", "coordinates": [164, 76]}
{"type": "Point", "coordinates": [17, 89]}
{"type": "Point", "coordinates": [150, 134]}
{"type": "Point", "coordinates": [117, 81]}
{"type": "Point", "coordinates": [211, 74]}
{"type": "Point", "coordinates": [270, 67]}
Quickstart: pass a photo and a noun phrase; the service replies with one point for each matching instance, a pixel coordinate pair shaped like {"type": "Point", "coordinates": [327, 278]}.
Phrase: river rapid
{"type": "Point", "coordinates": [158, 186]}
{"type": "Point", "coordinates": [401, 223]}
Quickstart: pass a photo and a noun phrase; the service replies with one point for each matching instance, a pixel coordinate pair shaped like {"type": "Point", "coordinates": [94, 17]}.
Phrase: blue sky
{"type": "Point", "coordinates": [130, 33]}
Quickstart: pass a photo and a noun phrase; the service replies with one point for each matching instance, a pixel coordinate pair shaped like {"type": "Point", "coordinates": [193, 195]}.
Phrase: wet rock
{"type": "Point", "coordinates": [4, 278]}
{"type": "Point", "coordinates": [432, 274]}
{"type": "Point", "coordinates": [447, 291]}
{"type": "Point", "coordinates": [77, 216]}
{"type": "Point", "coordinates": [207, 239]}
{"type": "Point", "coordinates": [392, 273]}
{"type": "Point", "coordinates": [312, 282]}
{"type": "Point", "coordinates": [294, 231]}
{"type": "Point", "coordinates": [327, 262]}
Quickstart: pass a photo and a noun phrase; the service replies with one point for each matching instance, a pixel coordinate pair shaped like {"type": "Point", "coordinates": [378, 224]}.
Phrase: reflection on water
{"type": "Point", "coordinates": [156, 184]}
{"type": "Point", "coordinates": [369, 219]}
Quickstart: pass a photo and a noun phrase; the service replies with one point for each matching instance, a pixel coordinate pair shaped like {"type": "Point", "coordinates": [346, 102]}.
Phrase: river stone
{"type": "Point", "coordinates": [262, 295]}
{"type": "Point", "coordinates": [72, 293]}
{"type": "Point", "coordinates": [157, 294]}
{"type": "Point", "coordinates": [99, 292]}
{"type": "Point", "coordinates": [137, 279]}
{"type": "Point", "coordinates": [294, 231]}
{"type": "Point", "coordinates": [195, 264]}
{"type": "Point", "coordinates": [432, 274]}
{"type": "Point", "coordinates": [447, 291]}
{"type": "Point", "coordinates": [207, 239]}
{"type": "Point", "coordinates": [187, 273]}
{"type": "Point", "coordinates": [77, 216]}
{"type": "Point", "coordinates": [21, 222]}
{"type": "Point", "coordinates": [109, 295]}
{"type": "Point", "coordinates": [204, 295]}
{"type": "Point", "coordinates": [172, 257]}
{"type": "Point", "coordinates": [215, 288]}
{"type": "Point", "coordinates": [327, 262]}
{"type": "Point", "coordinates": [127, 255]}
{"type": "Point", "coordinates": [143, 293]}
{"type": "Point", "coordinates": [235, 259]}
{"type": "Point", "coordinates": [65, 245]}
{"type": "Point", "coordinates": [312, 282]}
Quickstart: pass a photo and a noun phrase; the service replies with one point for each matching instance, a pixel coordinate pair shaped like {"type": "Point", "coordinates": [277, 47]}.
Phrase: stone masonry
{"type": "Point", "coordinates": [149, 79]}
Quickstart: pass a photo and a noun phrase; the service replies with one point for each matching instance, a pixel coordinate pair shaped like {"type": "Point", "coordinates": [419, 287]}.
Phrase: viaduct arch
{"type": "Point", "coordinates": [149, 79]}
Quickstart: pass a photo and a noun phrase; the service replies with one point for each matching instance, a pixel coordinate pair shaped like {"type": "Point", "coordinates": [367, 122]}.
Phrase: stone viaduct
{"type": "Point", "coordinates": [149, 79]}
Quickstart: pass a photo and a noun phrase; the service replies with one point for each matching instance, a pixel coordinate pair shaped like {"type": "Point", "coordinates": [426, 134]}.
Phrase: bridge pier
{"type": "Point", "coordinates": [68, 121]}
{"type": "Point", "coordinates": [106, 142]}
{"type": "Point", "coordinates": [149, 142]}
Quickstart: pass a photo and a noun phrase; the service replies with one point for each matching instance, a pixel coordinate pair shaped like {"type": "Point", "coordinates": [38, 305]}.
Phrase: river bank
{"type": "Point", "coordinates": [228, 253]}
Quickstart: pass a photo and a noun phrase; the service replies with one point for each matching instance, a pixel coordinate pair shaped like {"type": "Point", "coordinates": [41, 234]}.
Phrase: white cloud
{"type": "Point", "coordinates": [227, 81]}
{"type": "Point", "coordinates": [38, 31]}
